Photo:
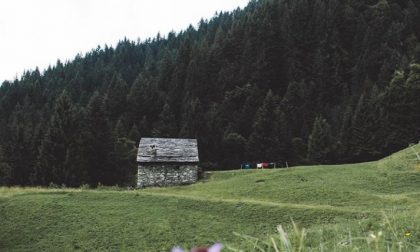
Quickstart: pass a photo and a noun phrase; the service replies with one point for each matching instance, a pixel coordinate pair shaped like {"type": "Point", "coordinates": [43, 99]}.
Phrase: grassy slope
{"type": "Point", "coordinates": [329, 201]}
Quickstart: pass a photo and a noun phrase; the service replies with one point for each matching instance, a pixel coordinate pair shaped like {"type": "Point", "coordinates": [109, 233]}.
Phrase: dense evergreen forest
{"type": "Point", "coordinates": [303, 81]}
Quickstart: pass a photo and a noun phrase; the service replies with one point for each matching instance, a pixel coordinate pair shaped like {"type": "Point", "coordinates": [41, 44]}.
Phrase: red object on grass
{"type": "Point", "coordinates": [265, 164]}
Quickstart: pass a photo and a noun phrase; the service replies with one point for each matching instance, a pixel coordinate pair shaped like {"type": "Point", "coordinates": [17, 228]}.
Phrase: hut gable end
{"type": "Point", "coordinates": [167, 150]}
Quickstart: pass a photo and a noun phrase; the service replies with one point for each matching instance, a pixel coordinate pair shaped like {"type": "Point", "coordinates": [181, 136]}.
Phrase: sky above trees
{"type": "Point", "coordinates": [37, 33]}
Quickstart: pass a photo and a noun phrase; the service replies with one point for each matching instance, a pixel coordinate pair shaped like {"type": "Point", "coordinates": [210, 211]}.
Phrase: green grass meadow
{"type": "Point", "coordinates": [371, 206]}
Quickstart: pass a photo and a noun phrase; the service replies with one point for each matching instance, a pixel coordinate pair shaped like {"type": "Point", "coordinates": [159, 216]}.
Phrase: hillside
{"type": "Point", "coordinates": [341, 207]}
{"type": "Point", "coordinates": [303, 81]}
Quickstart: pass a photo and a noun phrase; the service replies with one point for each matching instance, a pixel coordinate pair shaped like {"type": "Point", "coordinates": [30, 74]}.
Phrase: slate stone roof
{"type": "Point", "coordinates": [156, 150]}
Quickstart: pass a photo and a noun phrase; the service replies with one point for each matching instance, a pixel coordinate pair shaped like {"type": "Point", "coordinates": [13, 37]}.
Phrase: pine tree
{"type": "Point", "coordinates": [193, 119]}
{"type": "Point", "coordinates": [120, 129]}
{"type": "Point", "coordinates": [116, 97]}
{"type": "Point", "coordinates": [264, 140]}
{"type": "Point", "coordinates": [75, 164]}
{"type": "Point", "coordinates": [293, 104]}
{"type": "Point", "coordinates": [284, 136]}
{"type": "Point", "coordinates": [98, 143]}
{"type": "Point", "coordinates": [234, 146]}
{"type": "Point", "coordinates": [299, 148]}
{"type": "Point", "coordinates": [134, 134]}
{"type": "Point", "coordinates": [16, 149]}
{"type": "Point", "coordinates": [144, 99]}
{"type": "Point", "coordinates": [320, 143]}
{"type": "Point", "coordinates": [5, 170]}
{"type": "Point", "coordinates": [125, 165]}
{"type": "Point", "coordinates": [59, 137]}
{"type": "Point", "coordinates": [401, 104]}
{"type": "Point", "coordinates": [144, 127]}
{"type": "Point", "coordinates": [364, 140]}
{"type": "Point", "coordinates": [166, 69]}
{"type": "Point", "coordinates": [166, 126]}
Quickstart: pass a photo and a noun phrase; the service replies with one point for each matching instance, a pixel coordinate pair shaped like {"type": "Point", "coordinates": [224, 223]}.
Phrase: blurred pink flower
{"type": "Point", "coordinates": [177, 249]}
{"type": "Point", "coordinates": [217, 247]}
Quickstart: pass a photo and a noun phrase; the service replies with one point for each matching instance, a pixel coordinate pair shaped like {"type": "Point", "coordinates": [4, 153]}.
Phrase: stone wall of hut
{"type": "Point", "coordinates": [166, 174]}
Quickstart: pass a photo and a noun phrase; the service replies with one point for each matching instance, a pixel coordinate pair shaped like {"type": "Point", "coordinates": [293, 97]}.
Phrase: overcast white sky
{"type": "Point", "coordinates": [37, 33]}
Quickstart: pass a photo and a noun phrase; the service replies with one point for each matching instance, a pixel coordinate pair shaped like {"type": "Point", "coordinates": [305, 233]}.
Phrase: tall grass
{"type": "Point", "coordinates": [390, 235]}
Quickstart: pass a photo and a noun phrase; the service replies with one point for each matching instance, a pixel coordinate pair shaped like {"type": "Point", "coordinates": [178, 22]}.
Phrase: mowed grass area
{"type": "Point", "coordinates": [367, 206]}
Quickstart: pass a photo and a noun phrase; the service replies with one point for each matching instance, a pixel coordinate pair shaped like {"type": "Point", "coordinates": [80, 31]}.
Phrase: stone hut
{"type": "Point", "coordinates": [167, 161]}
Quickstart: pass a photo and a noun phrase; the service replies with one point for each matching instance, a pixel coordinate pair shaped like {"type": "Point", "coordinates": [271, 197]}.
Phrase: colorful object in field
{"type": "Point", "coordinates": [217, 247]}
{"type": "Point", "coordinates": [263, 165]}
{"type": "Point", "coordinates": [247, 166]}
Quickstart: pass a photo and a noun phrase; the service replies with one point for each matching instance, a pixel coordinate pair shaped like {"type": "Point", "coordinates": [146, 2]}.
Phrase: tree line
{"type": "Point", "coordinates": [302, 81]}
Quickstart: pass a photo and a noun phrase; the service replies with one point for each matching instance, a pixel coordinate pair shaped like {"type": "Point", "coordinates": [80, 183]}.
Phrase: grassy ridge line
{"type": "Point", "coordinates": [14, 191]}
{"type": "Point", "coordinates": [43, 220]}
{"type": "Point", "coordinates": [259, 202]}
